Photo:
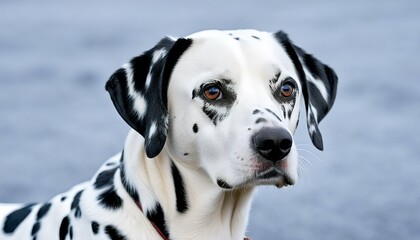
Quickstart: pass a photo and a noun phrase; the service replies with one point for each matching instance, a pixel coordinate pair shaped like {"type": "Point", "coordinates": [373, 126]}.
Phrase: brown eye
{"type": "Point", "coordinates": [287, 89]}
{"type": "Point", "coordinates": [213, 92]}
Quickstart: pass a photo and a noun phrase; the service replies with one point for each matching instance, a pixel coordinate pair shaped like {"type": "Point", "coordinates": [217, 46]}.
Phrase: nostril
{"type": "Point", "coordinates": [285, 144]}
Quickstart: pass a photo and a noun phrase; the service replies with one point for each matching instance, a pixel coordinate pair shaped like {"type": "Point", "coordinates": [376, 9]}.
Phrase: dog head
{"type": "Point", "coordinates": [226, 102]}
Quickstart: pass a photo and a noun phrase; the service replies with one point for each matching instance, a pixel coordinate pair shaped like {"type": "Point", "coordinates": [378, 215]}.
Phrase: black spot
{"type": "Point", "coordinates": [276, 77]}
{"type": "Point", "coordinates": [186, 154]}
{"type": "Point", "coordinates": [275, 90]}
{"type": "Point", "coordinates": [64, 228]}
{"type": "Point", "coordinates": [256, 111]}
{"type": "Point", "coordinates": [105, 178]}
{"type": "Point", "coordinates": [211, 113]}
{"type": "Point", "coordinates": [130, 189]}
{"type": "Point", "coordinates": [289, 113]}
{"type": "Point", "coordinates": [249, 129]}
{"type": "Point", "coordinates": [195, 128]}
{"type": "Point", "coordinates": [75, 205]}
{"type": "Point", "coordinates": [223, 184]}
{"type": "Point", "coordinates": [181, 198]}
{"type": "Point", "coordinates": [194, 93]}
{"type": "Point", "coordinates": [95, 227]}
{"type": "Point", "coordinates": [113, 233]}
{"type": "Point", "coordinates": [63, 198]}
{"type": "Point", "coordinates": [236, 38]}
{"type": "Point", "coordinates": [214, 115]}
{"type": "Point", "coordinates": [35, 228]}
{"type": "Point", "coordinates": [157, 217]}
{"type": "Point", "coordinates": [255, 37]}
{"type": "Point", "coordinates": [110, 164]}
{"type": "Point", "coordinates": [14, 219]}
{"type": "Point", "coordinates": [283, 109]}
{"type": "Point", "coordinates": [43, 211]}
{"type": "Point", "coordinates": [275, 115]}
{"type": "Point", "coordinates": [110, 199]}
{"type": "Point", "coordinates": [71, 232]}
{"type": "Point", "coordinates": [261, 120]}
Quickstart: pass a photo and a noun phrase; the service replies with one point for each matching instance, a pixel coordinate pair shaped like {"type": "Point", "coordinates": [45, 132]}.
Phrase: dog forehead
{"type": "Point", "coordinates": [236, 51]}
{"type": "Point", "coordinates": [233, 33]}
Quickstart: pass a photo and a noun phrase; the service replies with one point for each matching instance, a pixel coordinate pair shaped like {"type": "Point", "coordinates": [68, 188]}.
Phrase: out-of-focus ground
{"type": "Point", "coordinates": [57, 124]}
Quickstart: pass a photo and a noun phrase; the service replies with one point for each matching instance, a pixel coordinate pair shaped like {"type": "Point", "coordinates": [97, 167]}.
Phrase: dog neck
{"type": "Point", "coordinates": [181, 201]}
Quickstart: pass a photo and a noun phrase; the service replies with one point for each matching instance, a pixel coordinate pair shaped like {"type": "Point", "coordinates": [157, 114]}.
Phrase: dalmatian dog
{"type": "Point", "coordinates": [213, 116]}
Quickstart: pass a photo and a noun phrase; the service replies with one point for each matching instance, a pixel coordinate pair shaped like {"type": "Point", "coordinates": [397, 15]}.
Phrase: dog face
{"type": "Point", "coordinates": [226, 102]}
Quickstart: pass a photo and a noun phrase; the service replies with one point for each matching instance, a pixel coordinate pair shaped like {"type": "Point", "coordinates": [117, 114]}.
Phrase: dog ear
{"type": "Point", "coordinates": [139, 91]}
{"type": "Point", "coordinates": [319, 83]}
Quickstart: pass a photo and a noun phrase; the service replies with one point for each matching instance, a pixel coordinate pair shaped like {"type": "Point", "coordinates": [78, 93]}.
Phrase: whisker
{"type": "Point", "coordinates": [309, 152]}
{"type": "Point", "coordinates": [305, 160]}
{"type": "Point", "coordinates": [303, 167]}
{"type": "Point", "coordinates": [303, 144]}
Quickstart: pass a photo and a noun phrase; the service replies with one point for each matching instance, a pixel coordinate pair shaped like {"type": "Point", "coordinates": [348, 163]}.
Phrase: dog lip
{"type": "Point", "coordinates": [287, 180]}
{"type": "Point", "coordinates": [223, 184]}
{"type": "Point", "coordinates": [270, 173]}
{"type": "Point", "coordinates": [275, 176]}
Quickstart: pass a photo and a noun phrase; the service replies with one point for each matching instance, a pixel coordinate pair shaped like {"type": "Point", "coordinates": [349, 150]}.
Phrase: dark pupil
{"type": "Point", "coordinates": [286, 88]}
{"type": "Point", "coordinates": [213, 91]}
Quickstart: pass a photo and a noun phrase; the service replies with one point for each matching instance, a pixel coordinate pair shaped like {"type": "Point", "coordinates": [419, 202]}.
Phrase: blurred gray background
{"type": "Point", "coordinates": [57, 123]}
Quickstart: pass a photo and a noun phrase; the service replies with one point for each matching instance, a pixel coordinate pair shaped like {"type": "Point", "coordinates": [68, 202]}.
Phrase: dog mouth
{"type": "Point", "coordinates": [262, 173]}
{"type": "Point", "coordinates": [273, 176]}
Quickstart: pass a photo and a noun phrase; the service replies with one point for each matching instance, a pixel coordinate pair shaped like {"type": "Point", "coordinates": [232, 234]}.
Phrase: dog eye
{"type": "Point", "coordinates": [287, 89]}
{"type": "Point", "coordinates": [213, 92]}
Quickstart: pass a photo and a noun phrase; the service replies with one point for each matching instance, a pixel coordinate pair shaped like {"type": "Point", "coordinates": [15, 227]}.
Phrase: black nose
{"type": "Point", "coordinates": [272, 143]}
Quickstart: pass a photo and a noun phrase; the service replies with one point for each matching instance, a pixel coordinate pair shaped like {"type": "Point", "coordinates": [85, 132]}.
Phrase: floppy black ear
{"type": "Point", "coordinates": [139, 91]}
{"type": "Point", "coordinates": [319, 83]}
